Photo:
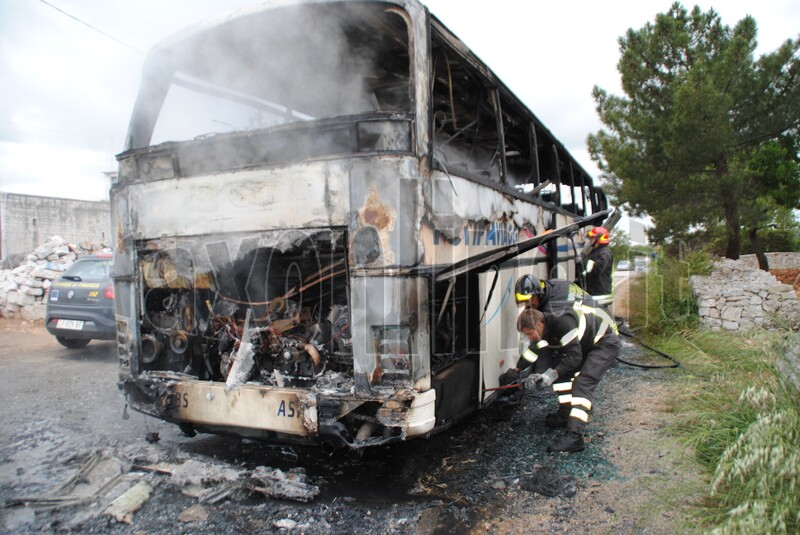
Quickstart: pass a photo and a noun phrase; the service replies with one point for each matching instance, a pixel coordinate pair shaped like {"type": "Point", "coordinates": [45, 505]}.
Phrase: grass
{"type": "Point", "coordinates": [662, 302]}
{"type": "Point", "coordinates": [735, 411]}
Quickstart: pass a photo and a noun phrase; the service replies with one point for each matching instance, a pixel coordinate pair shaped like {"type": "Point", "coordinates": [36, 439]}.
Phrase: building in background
{"type": "Point", "coordinates": [637, 231]}
{"type": "Point", "coordinates": [26, 221]}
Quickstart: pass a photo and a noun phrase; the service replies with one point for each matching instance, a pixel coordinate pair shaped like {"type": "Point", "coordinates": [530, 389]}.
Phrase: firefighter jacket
{"type": "Point", "coordinates": [598, 275]}
{"type": "Point", "coordinates": [560, 295]}
{"type": "Point", "coordinates": [572, 333]}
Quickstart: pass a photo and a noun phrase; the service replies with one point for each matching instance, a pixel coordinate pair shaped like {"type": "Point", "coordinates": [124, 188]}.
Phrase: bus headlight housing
{"type": "Point", "coordinates": [392, 345]}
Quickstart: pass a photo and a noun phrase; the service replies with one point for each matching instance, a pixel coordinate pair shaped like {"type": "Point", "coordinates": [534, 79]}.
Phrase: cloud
{"type": "Point", "coordinates": [53, 171]}
{"type": "Point", "coordinates": [67, 91]}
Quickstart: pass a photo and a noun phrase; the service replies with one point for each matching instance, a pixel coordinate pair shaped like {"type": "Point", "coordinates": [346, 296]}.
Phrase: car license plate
{"type": "Point", "coordinates": [74, 325]}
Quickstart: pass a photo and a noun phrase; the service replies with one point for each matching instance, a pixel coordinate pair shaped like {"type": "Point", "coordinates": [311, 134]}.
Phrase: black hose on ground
{"type": "Point", "coordinates": [675, 362]}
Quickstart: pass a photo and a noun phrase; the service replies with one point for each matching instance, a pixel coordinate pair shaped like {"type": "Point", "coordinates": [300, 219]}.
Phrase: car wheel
{"type": "Point", "coordinates": [72, 343]}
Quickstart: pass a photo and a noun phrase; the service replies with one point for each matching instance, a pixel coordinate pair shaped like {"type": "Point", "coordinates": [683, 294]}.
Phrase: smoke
{"type": "Point", "coordinates": [279, 66]}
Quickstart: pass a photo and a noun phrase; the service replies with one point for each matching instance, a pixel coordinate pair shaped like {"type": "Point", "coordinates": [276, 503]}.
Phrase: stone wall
{"type": "Point", "coordinates": [776, 260]}
{"type": "Point", "coordinates": [26, 221]}
{"type": "Point", "coordinates": [788, 362]}
{"type": "Point", "coordinates": [23, 289]}
{"type": "Point", "coordinates": [739, 297]}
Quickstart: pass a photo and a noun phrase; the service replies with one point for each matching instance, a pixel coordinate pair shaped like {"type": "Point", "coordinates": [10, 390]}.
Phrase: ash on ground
{"type": "Point", "coordinates": [475, 476]}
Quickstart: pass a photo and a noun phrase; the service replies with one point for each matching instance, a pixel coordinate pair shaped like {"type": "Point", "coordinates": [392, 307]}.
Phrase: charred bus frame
{"type": "Point", "coordinates": [320, 212]}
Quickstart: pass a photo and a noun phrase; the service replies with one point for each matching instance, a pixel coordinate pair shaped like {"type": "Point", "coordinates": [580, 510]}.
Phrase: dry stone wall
{"type": "Point", "coordinates": [776, 260]}
{"type": "Point", "coordinates": [23, 289]}
{"type": "Point", "coordinates": [738, 297]}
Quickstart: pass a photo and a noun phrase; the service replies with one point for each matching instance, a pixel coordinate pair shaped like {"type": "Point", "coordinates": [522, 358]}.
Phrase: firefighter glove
{"type": "Point", "coordinates": [509, 377]}
{"type": "Point", "coordinates": [538, 380]}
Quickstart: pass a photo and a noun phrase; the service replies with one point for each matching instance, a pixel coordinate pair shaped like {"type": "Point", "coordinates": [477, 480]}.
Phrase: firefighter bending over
{"type": "Point", "coordinates": [551, 296]}
{"type": "Point", "coordinates": [597, 270]}
{"type": "Point", "coordinates": [584, 343]}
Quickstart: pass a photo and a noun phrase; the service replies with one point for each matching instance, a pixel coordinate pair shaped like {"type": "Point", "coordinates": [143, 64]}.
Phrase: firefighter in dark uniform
{"type": "Point", "coordinates": [598, 266]}
{"type": "Point", "coordinates": [584, 343]}
{"type": "Point", "coordinates": [549, 296]}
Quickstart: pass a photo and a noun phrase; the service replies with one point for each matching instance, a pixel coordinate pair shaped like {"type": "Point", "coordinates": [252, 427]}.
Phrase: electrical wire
{"type": "Point", "coordinates": [73, 17]}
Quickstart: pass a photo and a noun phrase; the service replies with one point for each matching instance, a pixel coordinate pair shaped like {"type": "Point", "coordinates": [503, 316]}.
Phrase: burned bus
{"type": "Point", "coordinates": [320, 213]}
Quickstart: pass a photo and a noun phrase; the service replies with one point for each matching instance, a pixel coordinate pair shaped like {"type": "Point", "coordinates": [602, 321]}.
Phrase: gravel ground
{"type": "Point", "coordinates": [60, 407]}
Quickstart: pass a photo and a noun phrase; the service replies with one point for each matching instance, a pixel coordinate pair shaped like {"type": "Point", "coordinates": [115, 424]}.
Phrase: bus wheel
{"type": "Point", "coordinates": [355, 455]}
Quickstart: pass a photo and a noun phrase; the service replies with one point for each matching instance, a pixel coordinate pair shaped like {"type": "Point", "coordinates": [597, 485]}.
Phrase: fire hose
{"type": "Point", "coordinates": [675, 364]}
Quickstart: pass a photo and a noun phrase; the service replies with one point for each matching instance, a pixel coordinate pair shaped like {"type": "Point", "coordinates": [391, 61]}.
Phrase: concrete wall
{"type": "Point", "coordinates": [27, 221]}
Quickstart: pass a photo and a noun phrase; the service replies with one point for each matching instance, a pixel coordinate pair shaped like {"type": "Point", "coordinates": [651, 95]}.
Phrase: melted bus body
{"type": "Point", "coordinates": [318, 216]}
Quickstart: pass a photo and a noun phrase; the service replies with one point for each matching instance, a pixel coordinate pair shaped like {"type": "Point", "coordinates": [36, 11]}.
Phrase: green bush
{"type": "Point", "coordinates": [774, 241]}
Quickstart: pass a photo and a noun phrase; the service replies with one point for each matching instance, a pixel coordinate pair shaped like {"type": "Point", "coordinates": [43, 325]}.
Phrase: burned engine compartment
{"type": "Point", "coordinates": [276, 315]}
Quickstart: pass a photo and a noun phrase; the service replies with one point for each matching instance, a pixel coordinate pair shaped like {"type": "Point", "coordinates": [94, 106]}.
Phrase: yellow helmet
{"type": "Point", "coordinates": [527, 287]}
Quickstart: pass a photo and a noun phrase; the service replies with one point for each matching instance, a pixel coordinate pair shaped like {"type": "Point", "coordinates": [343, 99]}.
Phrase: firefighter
{"type": "Point", "coordinates": [549, 296]}
{"type": "Point", "coordinates": [584, 343]}
{"type": "Point", "coordinates": [597, 268]}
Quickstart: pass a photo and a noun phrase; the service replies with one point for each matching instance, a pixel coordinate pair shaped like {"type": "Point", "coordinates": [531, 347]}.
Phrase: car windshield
{"type": "Point", "coordinates": [87, 270]}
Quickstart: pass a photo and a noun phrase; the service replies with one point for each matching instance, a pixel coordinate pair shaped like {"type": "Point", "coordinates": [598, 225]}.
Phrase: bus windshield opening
{"type": "Point", "coordinates": [298, 63]}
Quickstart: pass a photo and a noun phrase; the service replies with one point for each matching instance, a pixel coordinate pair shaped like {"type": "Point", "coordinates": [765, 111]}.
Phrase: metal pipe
{"type": "Point", "coordinates": [365, 431]}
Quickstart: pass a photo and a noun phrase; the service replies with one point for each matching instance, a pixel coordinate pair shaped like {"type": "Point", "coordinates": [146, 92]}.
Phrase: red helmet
{"type": "Point", "coordinates": [601, 234]}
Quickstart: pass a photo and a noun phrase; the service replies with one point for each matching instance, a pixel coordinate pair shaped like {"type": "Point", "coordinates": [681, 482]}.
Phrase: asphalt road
{"type": "Point", "coordinates": [47, 384]}
{"type": "Point", "coordinates": [622, 282]}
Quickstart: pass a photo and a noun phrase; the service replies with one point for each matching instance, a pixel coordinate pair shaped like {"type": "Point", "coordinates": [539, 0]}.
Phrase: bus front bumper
{"type": "Point", "coordinates": [282, 414]}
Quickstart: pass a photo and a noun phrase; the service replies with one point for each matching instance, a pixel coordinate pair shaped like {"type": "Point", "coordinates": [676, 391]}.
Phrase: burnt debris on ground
{"type": "Point", "coordinates": [451, 483]}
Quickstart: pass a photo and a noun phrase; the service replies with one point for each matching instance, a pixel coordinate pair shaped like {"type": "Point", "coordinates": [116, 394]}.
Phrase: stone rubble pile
{"type": "Point", "coordinates": [23, 288]}
{"type": "Point", "coordinates": [738, 297]}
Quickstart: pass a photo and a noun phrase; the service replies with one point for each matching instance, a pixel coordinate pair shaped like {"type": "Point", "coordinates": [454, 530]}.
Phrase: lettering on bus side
{"type": "Point", "coordinates": [288, 410]}
{"type": "Point", "coordinates": [490, 234]}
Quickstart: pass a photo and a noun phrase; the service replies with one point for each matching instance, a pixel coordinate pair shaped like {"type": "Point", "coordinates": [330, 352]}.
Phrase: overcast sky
{"type": "Point", "coordinates": [66, 90]}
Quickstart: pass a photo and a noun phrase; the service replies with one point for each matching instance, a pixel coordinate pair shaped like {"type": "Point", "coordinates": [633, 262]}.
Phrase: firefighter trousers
{"type": "Point", "coordinates": [575, 390]}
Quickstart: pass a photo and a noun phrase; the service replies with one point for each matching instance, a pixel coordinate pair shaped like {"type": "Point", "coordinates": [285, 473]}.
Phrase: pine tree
{"type": "Point", "coordinates": [697, 107]}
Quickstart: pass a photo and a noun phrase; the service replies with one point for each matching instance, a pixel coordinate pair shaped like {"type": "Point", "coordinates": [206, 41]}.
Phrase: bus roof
{"type": "Point", "coordinates": [410, 6]}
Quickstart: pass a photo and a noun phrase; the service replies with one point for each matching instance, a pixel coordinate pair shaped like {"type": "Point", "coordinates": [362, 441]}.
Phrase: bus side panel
{"type": "Point", "coordinates": [384, 222]}
{"type": "Point", "coordinates": [454, 205]}
{"type": "Point", "coordinates": [565, 267]}
{"type": "Point", "coordinates": [389, 325]}
{"type": "Point", "coordinates": [500, 342]}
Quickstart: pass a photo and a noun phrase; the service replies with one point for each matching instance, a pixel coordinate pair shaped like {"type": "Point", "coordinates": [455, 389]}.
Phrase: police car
{"type": "Point", "coordinates": [80, 303]}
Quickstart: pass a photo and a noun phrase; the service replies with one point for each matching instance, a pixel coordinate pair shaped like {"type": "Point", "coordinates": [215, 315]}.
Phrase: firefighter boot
{"type": "Point", "coordinates": [557, 419]}
{"type": "Point", "coordinates": [570, 442]}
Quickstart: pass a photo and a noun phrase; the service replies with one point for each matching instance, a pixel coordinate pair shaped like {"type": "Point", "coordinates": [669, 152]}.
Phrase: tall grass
{"type": "Point", "coordinates": [743, 422]}
{"type": "Point", "coordinates": [735, 410]}
{"type": "Point", "coordinates": [661, 303]}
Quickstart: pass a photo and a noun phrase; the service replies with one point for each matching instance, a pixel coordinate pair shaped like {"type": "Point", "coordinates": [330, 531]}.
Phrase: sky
{"type": "Point", "coordinates": [67, 86]}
